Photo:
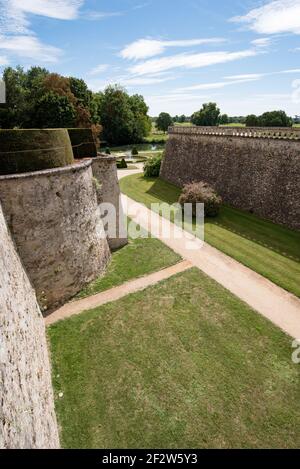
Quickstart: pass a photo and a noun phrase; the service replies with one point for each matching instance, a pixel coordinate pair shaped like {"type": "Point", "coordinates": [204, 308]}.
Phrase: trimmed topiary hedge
{"type": "Point", "coordinates": [23, 151]}
{"type": "Point", "coordinates": [122, 164]}
{"type": "Point", "coordinates": [83, 143]}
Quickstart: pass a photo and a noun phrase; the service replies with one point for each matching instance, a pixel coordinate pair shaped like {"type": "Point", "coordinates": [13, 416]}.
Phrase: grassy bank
{"type": "Point", "coordinates": [140, 257]}
{"type": "Point", "coordinates": [183, 364]}
{"type": "Point", "coordinates": [269, 249]}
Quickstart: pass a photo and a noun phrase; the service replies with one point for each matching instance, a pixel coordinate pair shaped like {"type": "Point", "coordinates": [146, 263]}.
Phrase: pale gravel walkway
{"type": "Point", "coordinates": [276, 304]}
{"type": "Point", "coordinates": [114, 294]}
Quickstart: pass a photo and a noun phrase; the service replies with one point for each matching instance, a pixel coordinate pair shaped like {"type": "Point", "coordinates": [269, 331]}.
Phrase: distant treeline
{"type": "Point", "coordinates": [210, 115]}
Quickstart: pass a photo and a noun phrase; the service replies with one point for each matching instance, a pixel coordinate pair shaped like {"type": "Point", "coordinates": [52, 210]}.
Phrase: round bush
{"type": "Point", "coordinates": [107, 151]}
{"type": "Point", "coordinates": [201, 192]}
{"type": "Point", "coordinates": [23, 151]}
{"type": "Point", "coordinates": [134, 151]}
{"type": "Point", "coordinates": [152, 166]}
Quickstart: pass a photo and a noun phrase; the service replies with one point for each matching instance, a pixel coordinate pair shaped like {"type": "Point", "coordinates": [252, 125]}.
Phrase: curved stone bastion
{"type": "Point", "coordinates": [105, 171]}
{"type": "Point", "coordinates": [254, 169]}
{"type": "Point", "coordinates": [56, 224]}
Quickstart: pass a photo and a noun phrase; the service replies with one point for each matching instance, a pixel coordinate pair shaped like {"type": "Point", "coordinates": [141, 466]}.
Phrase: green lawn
{"type": "Point", "coordinates": [140, 257]}
{"type": "Point", "coordinates": [269, 249]}
{"type": "Point", "coordinates": [183, 364]}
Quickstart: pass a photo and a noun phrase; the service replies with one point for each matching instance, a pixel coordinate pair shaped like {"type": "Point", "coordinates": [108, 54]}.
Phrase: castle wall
{"type": "Point", "coordinates": [253, 169]}
{"type": "Point", "coordinates": [105, 171]}
{"type": "Point", "coordinates": [27, 418]}
{"type": "Point", "coordinates": [55, 221]}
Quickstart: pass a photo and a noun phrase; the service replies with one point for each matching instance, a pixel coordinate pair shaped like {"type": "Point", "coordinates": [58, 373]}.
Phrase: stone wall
{"type": "Point", "coordinates": [253, 169]}
{"type": "Point", "coordinates": [27, 418]}
{"type": "Point", "coordinates": [56, 224]}
{"type": "Point", "coordinates": [105, 171]}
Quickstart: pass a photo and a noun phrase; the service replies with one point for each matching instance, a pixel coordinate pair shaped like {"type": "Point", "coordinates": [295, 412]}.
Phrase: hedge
{"type": "Point", "coordinates": [23, 151]}
{"type": "Point", "coordinates": [83, 143]}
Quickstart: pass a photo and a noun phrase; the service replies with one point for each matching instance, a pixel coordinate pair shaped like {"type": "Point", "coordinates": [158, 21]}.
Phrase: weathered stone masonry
{"type": "Point", "coordinates": [253, 169]}
{"type": "Point", "coordinates": [55, 221]}
{"type": "Point", "coordinates": [105, 171]}
{"type": "Point", "coordinates": [27, 418]}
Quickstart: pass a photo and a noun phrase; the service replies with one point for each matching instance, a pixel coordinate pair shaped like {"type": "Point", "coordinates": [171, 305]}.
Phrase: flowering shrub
{"type": "Point", "coordinates": [201, 192]}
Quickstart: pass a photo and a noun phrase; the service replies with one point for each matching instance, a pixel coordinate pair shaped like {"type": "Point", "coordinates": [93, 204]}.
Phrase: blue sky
{"type": "Point", "coordinates": [242, 54]}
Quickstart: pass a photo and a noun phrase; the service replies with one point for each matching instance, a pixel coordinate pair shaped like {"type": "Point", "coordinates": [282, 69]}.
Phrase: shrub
{"type": "Point", "coordinates": [134, 151]}
{"type": "Point", "coordinates": [122, 164]}
{"type": "Point", "coordinates": [23, 151]}
{"type": "Point", "coordinates": [152, 166]}
{"type": "Point", "coordinates": [107, 151]}
{"type": "Point", "coordinates": [83, 143]}
{"type": "Point", "coordinates": [201, 192]}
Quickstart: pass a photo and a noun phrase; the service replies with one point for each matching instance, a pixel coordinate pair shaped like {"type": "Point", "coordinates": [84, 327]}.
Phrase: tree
{"type": "Point", "coordinates": [141, 124]}
{"type": "Point", "coordinates": [54, 111]}
{"type": "Point", "coordinates": [252, 121]}
{"type": "Point", "coordinates": [81, 92]}
{"type": "Point", "coordinates": [207, 116]}
{"type": "Point", "coordinates": [164, 121]}
{"type": "Point", "coordinates": [124, 118]}
{"type": "Point", "coordinates": [224, 119]}
{"type": "Point", "coordinates": [116, 116]}
{"type": "Point", "coordinates": [269, 119]}
{"type": "Point", "coordinates": [275, 119]}
{"type": "Point", "coordinates": [13, 111]}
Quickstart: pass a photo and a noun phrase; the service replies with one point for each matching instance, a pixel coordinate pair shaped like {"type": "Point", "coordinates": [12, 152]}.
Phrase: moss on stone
{"type": "Point", "coordinates": [83, 143]}
{"type": "Point", "coordinates": [23, 151]}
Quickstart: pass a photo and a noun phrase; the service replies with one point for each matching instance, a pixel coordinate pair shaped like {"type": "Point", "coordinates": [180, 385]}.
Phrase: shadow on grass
{"type": "Point", "coordinates": [267, 234]}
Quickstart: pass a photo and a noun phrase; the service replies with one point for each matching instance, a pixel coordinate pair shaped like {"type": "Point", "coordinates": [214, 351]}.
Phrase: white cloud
{"type": "Point", "coordinates": [129, 81]}
{"type": "Point", "coordinates": [262, 42]}
{"type": "Point", "coordinates": [217, 85]}
{"type": "Point", "coordinates": [188, 61]}
{"type": "Point", "coordinates": [100, 15]}
{"type": "Point", "coordinates": [145, 48]}
{"type": "Point", "coordinates": [142, 81]}
{"type": "Point", "coordinates": [254, 76]}
{"type": "Point", "coordinates": [293, 70]}
{"type": "Point", "coordinates": [29, 47]}
{"type": "Point", "coordinates": [16, 36]}
{"type": "Point", "coordinates": [60, 9]}
{"type": "Point", "coordinates": [14, 13]}
{"type": "Point", "coordinates": [279, 16]}
{"type": "Point", "coordinates": [99, 69]}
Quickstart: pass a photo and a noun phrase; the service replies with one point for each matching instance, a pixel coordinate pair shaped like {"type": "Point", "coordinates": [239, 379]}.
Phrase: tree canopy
{"type": "Point", "coordinates": [269, 119]}
{"type": "Point", "coordinates": [208, 115]}
{"type": "Point", "coordinates": [39, 99]}
{"type": "Point", "coordinates": [164, 121]}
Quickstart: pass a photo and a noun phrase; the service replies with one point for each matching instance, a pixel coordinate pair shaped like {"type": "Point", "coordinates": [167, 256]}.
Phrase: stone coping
{"type": "Point", "coordinates": [104, 156]}
{"type": "Point", "coordinates": [275, 133]}
{"type": "Point", "coordinates": [78, 166]}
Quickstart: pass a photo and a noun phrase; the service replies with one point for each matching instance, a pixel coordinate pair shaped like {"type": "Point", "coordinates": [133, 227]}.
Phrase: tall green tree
{"type": "Point", "coordinates": [124, 118]}
{"type": "Point", "coordinates": [141, 122]}
{"type": "Point", "coordinates": [116, 116]}
{"type": "Point", "coordinates": [275, 119]}
{"type": "Point", "coordinates": [252, 120]}
{"type": "Point", "coordinates": [207, 116]}
{"type": "Point", "coordinates": [224, 119]}
{"type": "Point", "coordinates": [54, 111]}
{"type": "Point", "coordinates": [269, 119]}
{"type": "Point", "coordinates": [164, 121]}
{"type": "Point", "coordinates": [13, 112]}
